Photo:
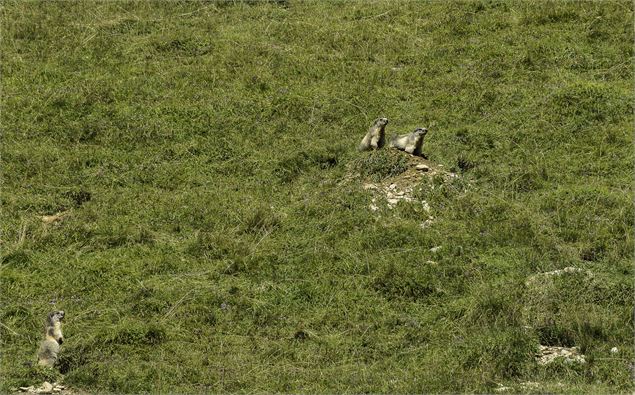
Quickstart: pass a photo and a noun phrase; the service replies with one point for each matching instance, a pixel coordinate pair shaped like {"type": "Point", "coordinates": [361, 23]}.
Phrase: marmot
{"type": "Point", "coordinates": [376, 136]}
{"type": "Point", "coordinates": [50, 346]}
{"type": "Point", "coordinates": [410, 142]}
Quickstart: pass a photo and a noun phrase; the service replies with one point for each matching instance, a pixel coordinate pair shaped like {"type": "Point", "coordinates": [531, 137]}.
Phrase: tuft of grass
{"type": "Point", "coordinates": [379, 165]}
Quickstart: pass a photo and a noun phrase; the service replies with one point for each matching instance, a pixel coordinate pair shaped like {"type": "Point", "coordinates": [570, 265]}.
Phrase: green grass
{"type": "Point", "coordinates": [215, 242]}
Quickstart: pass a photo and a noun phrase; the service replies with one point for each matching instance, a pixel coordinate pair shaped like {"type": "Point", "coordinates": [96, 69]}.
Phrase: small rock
{"type": "Point", "coordinates": [426, 223]}
{"type": "Point", "coordinates": [46, 388]}
{"type": "Point", "coordinates": [400, 193]}
{"type": "Point", "coordinates": [373, 207]}
{"type": "Point", "coordinates": [502, 388]}
{"type": "Point", "coordinates": [614, 350]}
{"type": "Point", "coordinates": [435, 249]}
{"type": "Point", "coordinates": [549, 354]}
{"type": "Point", "coordinates": [558, 272]}
{"type": "Point", "coordinates": [422, 167]}
{"type": "Point", "coordinates": [392, 187]}
{"type": "Point", "coordinates": [392, 201]}
{"type": "Point", "coordinates": [369, 186]}
{"type": "Point", "coordinates": [425, 205]}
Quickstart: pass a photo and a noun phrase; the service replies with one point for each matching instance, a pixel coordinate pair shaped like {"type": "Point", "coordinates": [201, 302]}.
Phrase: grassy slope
{"type": "Point", "coordinates": [210, 246]}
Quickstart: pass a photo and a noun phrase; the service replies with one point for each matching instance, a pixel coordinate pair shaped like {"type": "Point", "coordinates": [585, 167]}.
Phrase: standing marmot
{"type": "Point", "coordinates": [410, 142]}
{"type": "Point", "coordinates": [376, 136]}
{"type": "Point", "coordinates": [50, 346]}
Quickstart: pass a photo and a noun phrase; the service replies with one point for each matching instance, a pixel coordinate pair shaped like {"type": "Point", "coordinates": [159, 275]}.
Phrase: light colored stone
{"type": "Point", "coordinates": [373, 207]}
{"type": "Point", "coordinates": [559, 272]}
{"type": "Point", "coordinates": [502, 388]}
{"type": "Point", "coordinates": [392, 187]}
{"type": "Point", "coordinates": [435, 249]}
{"type": "Point", "coordinates": [46, 388]}
{"type": "Point", "coordinates": [425, 224]}
{"type": "Point", "coordinates": [548, 354]}
{"type": "Point", "coordinates": [369, 186]}
{"type": "Point", "coordinates": [614, 350]}
{"type": "Point", "coordinates": [568, 269]}
{"type": "Point", "coordinates": [422, 167]}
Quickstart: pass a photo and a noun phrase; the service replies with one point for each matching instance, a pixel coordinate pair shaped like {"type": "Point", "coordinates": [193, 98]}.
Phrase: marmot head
{"type": "Point", "coordinates": [381, 122]}
{"type": "Point", "coordinates": [55, 316]}
{"type": "Point", "coordinates": [420, 132]}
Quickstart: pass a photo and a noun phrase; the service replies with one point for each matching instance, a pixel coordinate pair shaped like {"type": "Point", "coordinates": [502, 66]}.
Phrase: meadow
{"type": "Point", "coordinates": [214, 237]}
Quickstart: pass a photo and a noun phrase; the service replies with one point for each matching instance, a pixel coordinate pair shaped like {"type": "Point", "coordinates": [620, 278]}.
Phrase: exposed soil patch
{"type": "Point", "coordinates": [402, 186]}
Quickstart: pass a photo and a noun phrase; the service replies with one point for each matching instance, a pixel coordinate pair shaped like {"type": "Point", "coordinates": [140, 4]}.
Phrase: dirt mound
{"type": "Point", "coordinates": [402, 180]}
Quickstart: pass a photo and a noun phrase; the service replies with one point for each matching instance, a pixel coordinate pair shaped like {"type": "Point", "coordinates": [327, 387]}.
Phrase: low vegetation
{"type": "Point", "coordinates": [214, 235]}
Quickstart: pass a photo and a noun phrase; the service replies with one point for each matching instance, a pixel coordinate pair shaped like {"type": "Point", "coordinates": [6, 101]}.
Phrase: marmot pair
{"type": "Point", "coordinates": [376, 138]}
